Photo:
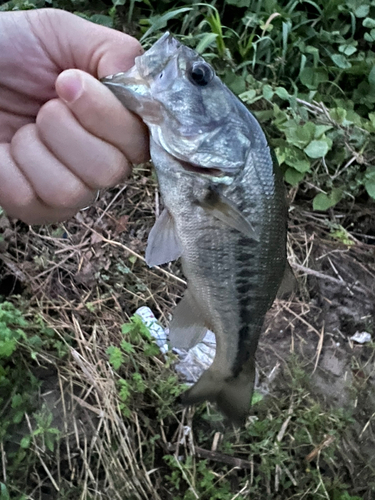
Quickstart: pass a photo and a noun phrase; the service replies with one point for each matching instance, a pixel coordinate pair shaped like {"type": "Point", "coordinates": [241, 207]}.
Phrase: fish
{"type": "Point", "coordinates": [225, 212]}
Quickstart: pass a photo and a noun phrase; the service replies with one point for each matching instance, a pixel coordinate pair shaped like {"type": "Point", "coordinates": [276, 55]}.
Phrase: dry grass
{"type": "Point", "coordinates": [87, 277]}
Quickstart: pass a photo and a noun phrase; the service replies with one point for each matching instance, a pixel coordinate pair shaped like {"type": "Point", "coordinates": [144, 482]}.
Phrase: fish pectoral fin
{"type": "Point", "coordinates": [288, 284]}
{"type": "Point", "coordinates": [163, 245]}
{"type": "Point", "coordinates": [224, 210]}
{"type": "Point", "coordinates": [187, 327]}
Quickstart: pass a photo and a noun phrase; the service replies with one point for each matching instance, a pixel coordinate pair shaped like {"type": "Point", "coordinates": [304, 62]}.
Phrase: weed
{"type": "Point", "coordinates": [22, 342]}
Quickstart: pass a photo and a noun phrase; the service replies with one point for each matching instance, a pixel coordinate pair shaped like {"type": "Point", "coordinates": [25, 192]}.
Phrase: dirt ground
{"type": "Point", "coordinates": [96, 260]}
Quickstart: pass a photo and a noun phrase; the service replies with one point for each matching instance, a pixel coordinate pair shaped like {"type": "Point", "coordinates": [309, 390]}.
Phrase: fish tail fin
{"type": "Point", "coordinates": [231, 394]}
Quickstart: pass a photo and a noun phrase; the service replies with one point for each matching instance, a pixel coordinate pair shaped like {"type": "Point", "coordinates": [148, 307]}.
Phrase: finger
{"type": "Point", "coordinates": [52, 182]}
{"type": "Point", "coordinates": [100, 112]}
{"type": "Point", "coordinates": [18, 198]}
{"type": "Point", "coordinates": [78, 43]}
{"type": "Point", "coordinates": [96, 162]}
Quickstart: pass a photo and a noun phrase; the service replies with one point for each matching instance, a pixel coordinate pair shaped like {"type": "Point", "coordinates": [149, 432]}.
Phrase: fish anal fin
{"type": "Point", "coordinates": [288, 284]}
{"type": "Point", "coordinates": [231, 394]}
{"type": "Point", "coordinates": [163, 245]}
{"type": "Point", "coordinates": [223, 209]}
{"type": "Point", "coordinates": [187, 327]}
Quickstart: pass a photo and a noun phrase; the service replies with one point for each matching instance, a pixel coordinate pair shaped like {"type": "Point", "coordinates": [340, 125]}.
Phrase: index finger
{"type": "Point", "coordinates": [101, 114]}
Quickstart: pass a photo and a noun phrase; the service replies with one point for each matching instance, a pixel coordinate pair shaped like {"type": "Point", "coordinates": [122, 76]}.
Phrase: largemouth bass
{"type": "Point", "coordinates": [225, 212]}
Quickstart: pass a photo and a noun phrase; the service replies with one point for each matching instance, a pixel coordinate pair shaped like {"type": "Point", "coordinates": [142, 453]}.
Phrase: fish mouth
{"type": "Point", "coordinates": [132, 87]}
{"type": "Point", "coordinates": [204, 171]}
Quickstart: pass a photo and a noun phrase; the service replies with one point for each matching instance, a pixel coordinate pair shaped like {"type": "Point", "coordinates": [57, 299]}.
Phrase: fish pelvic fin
{"type": "Point", "coordinates": [232, 395]}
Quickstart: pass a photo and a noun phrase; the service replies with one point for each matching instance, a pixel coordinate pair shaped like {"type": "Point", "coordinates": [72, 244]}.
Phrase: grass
{"type": "Point", "coordinates": [96, 404]}
{"type": "Point", "coordinates": [88, 404]}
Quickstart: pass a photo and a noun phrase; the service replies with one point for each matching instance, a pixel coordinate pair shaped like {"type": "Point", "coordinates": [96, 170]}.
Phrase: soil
{"type": "Point", "coordinates": [335, 299]}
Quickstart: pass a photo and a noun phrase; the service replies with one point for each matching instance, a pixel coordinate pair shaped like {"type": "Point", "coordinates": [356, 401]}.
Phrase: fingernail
{"type": "Point", "coordinates": [69, 85]}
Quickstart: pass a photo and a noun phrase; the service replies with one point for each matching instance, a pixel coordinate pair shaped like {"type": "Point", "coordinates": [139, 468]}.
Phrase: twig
{"type": "Point", "coordinates": [365, 427]}
{"type": "Point", "coordinates": [317, 274]}
{"type": "Point", "coordinates": [326, 442]}
{"type": "Point", "coordinates": [15, 270]}
{"type": "Point", "coordinates": [112, 202]}
{"type": "Point", "coordinates": [323, 276]}
{"type": "Point", "coordinates": [221, 457]}
{"type": "Point", "coordinates": [319, 349]}
{"type": "Point", "coordinates": [3, 462]}
{"type": "Point", "coordinates": [117, 244]}
{"type": "Point", "coordinates": [282, 430]}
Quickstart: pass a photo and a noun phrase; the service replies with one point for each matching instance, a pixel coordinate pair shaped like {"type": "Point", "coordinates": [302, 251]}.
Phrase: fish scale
{"type": "Point", "coordinates": [225, 212]}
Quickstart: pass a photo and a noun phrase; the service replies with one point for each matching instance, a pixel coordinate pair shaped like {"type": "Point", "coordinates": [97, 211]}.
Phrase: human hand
{"type": "Point", "coordinates": [63, 135]}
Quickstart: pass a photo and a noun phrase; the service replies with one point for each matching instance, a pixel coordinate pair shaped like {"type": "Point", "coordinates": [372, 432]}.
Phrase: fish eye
{"type": "Point", "coordinates": [201, 74]}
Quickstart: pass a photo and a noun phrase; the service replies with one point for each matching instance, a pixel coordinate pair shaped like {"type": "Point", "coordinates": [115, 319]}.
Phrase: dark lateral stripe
{"type": "Point", "coordinates": [242, 287]}
{"type": "Point", "coordinates": [245, 289]}
{"type": "Point", "coordinates": [246, 274]}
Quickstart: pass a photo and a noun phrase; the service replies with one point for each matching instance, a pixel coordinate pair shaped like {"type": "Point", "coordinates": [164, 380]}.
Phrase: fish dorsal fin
{"type": "Point", "coordinates": [288, 284]}
{"type": "Point", "coordinates": [187, 327]}
{"type": "Point", "coordinates": [223, 209]}
{"type": "Point", "coordinates": [163, 245]}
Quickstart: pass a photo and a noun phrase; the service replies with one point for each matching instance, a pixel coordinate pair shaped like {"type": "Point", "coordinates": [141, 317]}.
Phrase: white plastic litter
{"type": "Point", "coordinates": [156, 330]}
{"type": "Point", "coordinates": [361, 337]}
{"type": "Point", "coordinates": [197, 359]}
{"type": "Point", "coordinates": [192, 362]}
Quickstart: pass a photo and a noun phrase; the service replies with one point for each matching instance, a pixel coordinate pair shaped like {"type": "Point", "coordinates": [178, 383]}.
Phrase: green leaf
{"type": "Point", "coordinates": [293, 177]}
{"type": "Point", "coordinates": [17, 401]}
{"type": "Point", "coordinates": [280, 155]}
{"type": "Point", "coordinates": [249, 96]}
{"type": "Point", "coordinates": [348, 49]}
{"type": "Point", "coordinates": [282, 93]}
{"type": "Point", "coordinates": [158, 22]}
{"type": "Point", "coordinates": [18, 416]}
{"type": "Point", "coordinates": [116, 357]}
{"type": "Point", "coordinates": [297, 159]}
{"type": "Point", "coordinates": [372, 118]}
{"type": "Point", "coordinates": [317, 149]}
{"type": "Point", "coordinates": [362, 10]}
{"type": "Point", "coordinates": [127, 347]}
{"type": "Point", "coordinates": [151, 350]}
{"type": "Point", "coordinates": [257, 397]}
{"type": "Point", "coordinates": [206, 41]}
{"type": "Point", "coordinates": [341, 61]}
{"type": "Point", "coordinates": [312, 77]}
{"type": "Point", "coordinates": [102, 20]}
{"type": "Point", "coordinates": [370, 181]}
{"type": "Point", "coordinates": [370, 37]}
{"type": "Point", "coordinates": [239, 3]}
{"type": "Point", "coordinates": [50, 440]}
{"type": "Point", "coordinates": [369, 22]}
{"type": "Point", "coordinates": [323, 201]}
{"type": "Point", "coordinates": [132, 259]}
{"type": "Point", "coordinates": [320, 130]}
{"type": "Point", "coordinates": [25, 442]}
{"type": "Point", "coordinates": [371, 76]}
{"type": "Point", "coordinates": [267, 92]}
{"type": "Point", "coordinates": [4, 493]}
{"type": "Point", "coordinates": [7, 348]}
{"type": "Point", "coordinates": [124, 391]}
{"type": "Point", "coordinates": [236, 83]}
{"type": "Point", "coordinates": [298, 135]}
{"type": "Point", "coordinates": [338, 115]}
{"type": "Point", "coordinates": [127, 327]}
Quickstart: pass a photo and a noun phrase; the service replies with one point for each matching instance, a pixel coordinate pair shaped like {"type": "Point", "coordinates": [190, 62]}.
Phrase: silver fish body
{"type": "Point", "coordinates": [225, 212]}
